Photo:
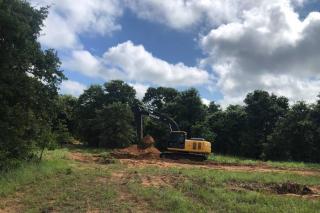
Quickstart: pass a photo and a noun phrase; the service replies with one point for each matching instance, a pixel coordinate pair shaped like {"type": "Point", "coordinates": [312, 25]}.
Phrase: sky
{"type": "Point", "coordinates": [224, 48]}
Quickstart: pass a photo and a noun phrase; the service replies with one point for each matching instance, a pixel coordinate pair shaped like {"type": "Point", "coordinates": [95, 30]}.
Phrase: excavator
{"type": "Point", "coordinates": [177, 146]}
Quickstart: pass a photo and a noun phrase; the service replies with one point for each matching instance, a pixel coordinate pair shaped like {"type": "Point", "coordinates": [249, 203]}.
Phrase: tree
{"type": "Point", "coordinates": [28, 82]}
{"type": "Point", "coordinates": [213, 107]}
{"type": "Point", "coordinates": [315, 118]}
{"type": "Point", "coordinates": [114, 126]}
{"type": "Point", "coordinates": [157, 98]}
{"type": "Point", "coordinates": [66, 106]}
{"type": "Point", "coordinates": [294, 136]}
{"type": "Point", "coordinates": [119, 91]}
{"type": "Point", "coordinates": [263, 111]}
{"type": "Point", "coordinates": [187, 109]}
{"type": "Point", "coordinates": [89, 102]}
{"type": "Point", "coordinates": [229, 127]}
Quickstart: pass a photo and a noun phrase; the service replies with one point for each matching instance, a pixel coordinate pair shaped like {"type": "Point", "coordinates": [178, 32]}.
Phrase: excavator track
{"type": "Point", "coordinates": [182, 155]}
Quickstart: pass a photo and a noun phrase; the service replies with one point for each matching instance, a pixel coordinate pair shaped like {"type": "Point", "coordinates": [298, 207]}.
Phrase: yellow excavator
{"type": "Point", "coordinates": [177, 146]}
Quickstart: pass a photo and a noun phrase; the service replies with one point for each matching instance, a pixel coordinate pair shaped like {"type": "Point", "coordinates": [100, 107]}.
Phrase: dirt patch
{"type": "Point", "coordinates": [136, 157]}
{"type": "Point", "coordinates": [124, 195]}
{"type": "Point", "coordinates": [134, 152]}
{"type": "Point", "coordinates": [288, 188]}
{"type": "Point", "coordinates": [147, 180]}
{"type": "Point", "coordinates": [80, 157]}
{"type": "Point", "coordinates": [166, 163]}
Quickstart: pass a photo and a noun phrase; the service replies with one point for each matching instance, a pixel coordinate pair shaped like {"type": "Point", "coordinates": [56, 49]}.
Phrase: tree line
{"type": "Point", "coordinates": [265, 127]}
{"type": "Point", "coordinates": [33, 116]}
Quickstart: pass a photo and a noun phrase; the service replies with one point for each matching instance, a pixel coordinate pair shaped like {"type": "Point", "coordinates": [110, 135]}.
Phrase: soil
{"type": "Point", "coordinates": [134, 152]}
{"type": "Point", "coordinates": [290, 189]}
{"type": "Point", "coordinates": [134, 157]}
{"type": "Point", "coordinates": [147, 180]}
{"type": "Point", "coordinates": [214, 165]}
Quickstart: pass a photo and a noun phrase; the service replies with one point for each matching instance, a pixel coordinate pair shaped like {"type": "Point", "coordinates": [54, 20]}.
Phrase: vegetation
{"type": "Point", "coordinates": [29, 79]}
{"type": "Point", "coordinates": [34, 117]}
{"type": "Point", "coordinates": [61, 184]}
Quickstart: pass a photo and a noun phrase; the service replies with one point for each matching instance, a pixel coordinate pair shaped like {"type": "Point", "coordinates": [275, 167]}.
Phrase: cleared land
{"type": "Point", "coordinates": [82, 180]}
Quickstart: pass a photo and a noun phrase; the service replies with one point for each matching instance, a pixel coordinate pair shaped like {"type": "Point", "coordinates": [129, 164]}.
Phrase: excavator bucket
{"type": "Point", "coordinates": [146, 142]}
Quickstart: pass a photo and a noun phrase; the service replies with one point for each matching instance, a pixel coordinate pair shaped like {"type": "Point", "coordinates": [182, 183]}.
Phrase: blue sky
{"type": "Point", "coordinates": [223, 48]}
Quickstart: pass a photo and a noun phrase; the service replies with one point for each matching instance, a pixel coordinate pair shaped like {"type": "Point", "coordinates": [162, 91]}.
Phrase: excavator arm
{"type": "Point", "coordinates": [140, 111]}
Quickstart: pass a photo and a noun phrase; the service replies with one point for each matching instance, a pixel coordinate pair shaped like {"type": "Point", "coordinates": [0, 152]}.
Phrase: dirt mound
{"type": "Point", "coordinates": [137, 153]}
{"type": "Point", "coordinates": [277, 188]}
{"type": "Point", "coordinates": [292, 188]}
{"type": "Point", "coordinates": [148, 141]}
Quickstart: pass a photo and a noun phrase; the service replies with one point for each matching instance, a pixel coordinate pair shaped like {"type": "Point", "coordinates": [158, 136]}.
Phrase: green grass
{"type": "Point", "coordinates": [244, 161]}
{"type": "Point", "coordinates": [30, 173]}
{"type": "Point", "coordinates": [63, 185]}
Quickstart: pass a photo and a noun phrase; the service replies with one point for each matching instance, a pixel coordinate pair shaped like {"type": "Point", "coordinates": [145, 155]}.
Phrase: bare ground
{"type": "Point", "coordinates": [288, 189]}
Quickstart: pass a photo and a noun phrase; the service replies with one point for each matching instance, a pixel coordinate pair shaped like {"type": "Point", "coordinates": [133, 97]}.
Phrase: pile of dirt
{"type": "Point", "coordinates": [137, 153]}
{"type": "Point", "coordinates": [277, 188]}
{"type": "Point", "coordinates": [147, 141]}
{"type": "Point", "coordinates": [292, 188]}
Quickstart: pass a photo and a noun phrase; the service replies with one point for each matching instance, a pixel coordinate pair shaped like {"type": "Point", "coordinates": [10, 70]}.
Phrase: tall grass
{"type": "Point", "coordinates": [28, 173]}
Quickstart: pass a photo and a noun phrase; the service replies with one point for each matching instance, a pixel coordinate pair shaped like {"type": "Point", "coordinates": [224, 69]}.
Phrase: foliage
{"type": "Point", "coordinates": [28, 82]}
{"type": "Point", "coordinates": [263, 111]}
{"type": "Point", "coordinates": [114, 124]}
{"type": "Point", "coordinates": [100, 122]}
{"type": "Point", "coordinates": [229, 127]}
{"type": "Point", "coordinates": [157, 98]}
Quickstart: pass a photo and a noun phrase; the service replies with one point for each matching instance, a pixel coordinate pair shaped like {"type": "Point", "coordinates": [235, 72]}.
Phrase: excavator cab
{"type": "Point", "coordinates": [177, 139]}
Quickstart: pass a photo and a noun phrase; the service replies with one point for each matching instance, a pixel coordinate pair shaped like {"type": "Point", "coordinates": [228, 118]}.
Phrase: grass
{"type": "Point", "coordinates": [63, 185]}
{"type": "Point", "coordinates": [30, 173]}
{"type": "Point", "coordinates": [245, 161]}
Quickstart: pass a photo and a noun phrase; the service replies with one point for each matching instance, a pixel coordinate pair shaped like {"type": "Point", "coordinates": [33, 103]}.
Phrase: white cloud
{"type": "Point", "coordinates": [84, 62]}
{"type": "Point", "coordinates": [68, 19]}
{"type": "Point", "coordinates": [271, 49]}
{"type": "Point", "coordinates": [134, 62]}
{"type": "Point", "coordinates": [131, 62]}
{"type": "Point", "coordinates": [72, 88]}
{"type": "Point", "coordinates": [141, 90]}
{"type": "Point", "coordinates": [205, 101]}
{"type": "Point", "coordinates": [181, 14]}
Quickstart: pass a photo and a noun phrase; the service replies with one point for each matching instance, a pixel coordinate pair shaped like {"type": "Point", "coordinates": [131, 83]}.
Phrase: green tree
{"type": "Point", "coordinates": [187, 109]}
{"type": "Point", "coordinates": [28, 81]}
{"type": "Point", "coordinates": [157, 98]}
{"type": "Point", "coordinates": [89, 102]}
{"type": "Point", "coordinates": [263, 111]}
{"type": "Point", "coordinates": [315, 118]}
{"type": "Point", "coordinates": [66, 106]}
{"type": "Point", "coordinates": [114, 125]}
{"type": "Point", "coordinates": [213, 108]}
{"type": "Point", "coordinates": [294, 136]}
{"type": "Point", "coordinates": [229, 127]}
{"type": "Point", "coordinates": [119, 91]}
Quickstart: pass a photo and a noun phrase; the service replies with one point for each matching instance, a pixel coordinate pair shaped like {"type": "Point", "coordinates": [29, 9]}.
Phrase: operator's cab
{"type": "Point", "coordinates": [178, 142]}
{"type": "Point", "coordinates": [177, 139]}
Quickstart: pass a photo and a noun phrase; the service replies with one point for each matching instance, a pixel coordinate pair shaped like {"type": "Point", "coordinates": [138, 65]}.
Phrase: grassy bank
{"type": "Point", "coordinates": [62, 183]}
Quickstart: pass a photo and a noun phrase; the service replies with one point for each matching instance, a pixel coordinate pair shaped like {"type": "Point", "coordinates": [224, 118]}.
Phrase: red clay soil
{"type": "Point", "coordinates": [136, 153]}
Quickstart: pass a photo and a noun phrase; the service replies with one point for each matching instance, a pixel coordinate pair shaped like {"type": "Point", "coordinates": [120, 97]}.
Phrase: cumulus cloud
{"type": "Point", "coordinates": [72, 88]}
{"type": "Point", "coordinates": [134, 62]}
{"type": "Point", "coordinates": [141, 89]}
{"type": "Point", "coordinates": [68, 19]}
{"type": "Point", "coordinates": [131, 62]}
{"type": "Point", "coordinates": [205, 101]}
{"type": "Point", "coordinates": [181, 14]}
{"type": "Point", "coordinates": [271, 48]}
